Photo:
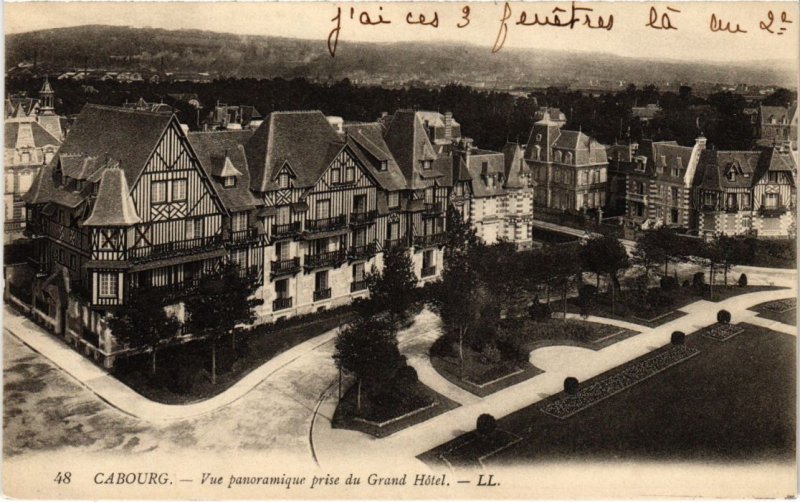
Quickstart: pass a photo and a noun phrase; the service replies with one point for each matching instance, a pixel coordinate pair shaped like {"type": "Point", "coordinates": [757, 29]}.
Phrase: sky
{"type": "Point", "coordinates": [692, 38]}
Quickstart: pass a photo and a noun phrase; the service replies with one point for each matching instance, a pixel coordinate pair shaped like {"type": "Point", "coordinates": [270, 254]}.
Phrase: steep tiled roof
{"type": "Point", "coordinates": [113, 206]}
{"type": "Point", "coordinates": [219, 150]}
{"type": "Point", "coordinates": [127, 136]}
{"type": "Point", "coordinates": [14, 131]}
{"type": "Point", "coordinates": [486, 164]}
{"type": "Point", "coordinates": [714, 164]}
{"type": "Point", "coordinates": [779, 113]}
{"type": "Point", "coordinates": [514, 165]}
{"type": "Point", "coordinates": [366, 140]}
{"type": "Point", "coordinates": [666, 156]}
{"type": "Point", "coordinates": [409, 143]}
{"type": "Point", "coordinates": [304, 140]}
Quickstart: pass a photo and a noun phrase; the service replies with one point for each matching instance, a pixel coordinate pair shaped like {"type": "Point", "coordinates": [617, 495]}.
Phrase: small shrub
{"type": "Point", "coordinates": [492, 354]}
{"type": "Point", "coordinates": [699, 280]}
{"type": "Point", "coordinates": [571, 385]}
{"type": "Point", "coordinates": [677, 338]}
{"type": "Point", "coordinates": [669, 283]}
{"type": "Point", "coordinates": [539, 311]}
{"type": "Point", "coordinates": [743, 280]}
{"type": "Point", "coordinates": [658, 299]}
{"type": "Point", "coordinates": [723, 317]}
{"type": "Point", "coordinates": [486, 424]}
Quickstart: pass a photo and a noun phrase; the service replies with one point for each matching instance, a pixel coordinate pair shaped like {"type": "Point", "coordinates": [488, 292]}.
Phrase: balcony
{"type": "Point", "coordinates": [432, 209]}
{"type": "Point", "coordinates": [323, 224]}
{"type": "Point", "coordinates": [284, 267]}
{"type": "Point", "coordinates": [73, 236]}
{"type": "Point", "coordinates": [14, 225]}
{"type": "Point", "coordinates": [732, 209]}
{"type": "Point", "coordinates": [772, 212]}
{"type": "Point", "coordinates": [431, 240]}
{"type": "Point", "coordinates": [281, 304]}
{"type": "Point", "coordinates": [428, 271]}
{"type": "Point", "coordinates": [328, 259]}
{"type": "Point", "coordinates": [173, 249]}
{"type": "Point", "coordinates": [285, 230]}
{"type": "Point", "coordinates": [395, 243]}
{"type": "Point", "coordinates": [246, 235]}
{"type": "Point", "coordinates": [361, 252]}
{"type": "Point", "coordinates": [637, 197]}
{"type": "Point", "coordinates": [322, 294]}
{"type": "Point", "coordinates": [359, 286]}
{"type": "Point", "coordinates": [363, 217]}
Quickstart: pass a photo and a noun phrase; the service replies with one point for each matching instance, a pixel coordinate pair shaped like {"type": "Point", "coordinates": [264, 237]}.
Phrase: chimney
{"type": "Point", "coordinates": [448, 125]}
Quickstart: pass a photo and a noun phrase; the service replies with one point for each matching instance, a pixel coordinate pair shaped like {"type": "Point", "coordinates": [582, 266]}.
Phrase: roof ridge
{"type": "Point", "coordinates": [125, 110]}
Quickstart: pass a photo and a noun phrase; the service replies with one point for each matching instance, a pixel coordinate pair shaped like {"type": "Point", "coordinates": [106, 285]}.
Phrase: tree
{"type": "Point", "coordinates": [656, 246]}
{"type": "Point", "coordinates": [368, 349]}
{"type": "Point", "coordinates": [223, 302]}
{"type": "Point", "coordinates": [605, 255]}
{"type": "Point", "coordinates": [733, 251]}
{"type": "Point", "coordinates": [391, 289]}
{"type": "Point", "coordinates": [460, 235]}
{"type": "Point", "coordinates": [143, 322]}
{"type": "Point", "coordinates": [562, 268]}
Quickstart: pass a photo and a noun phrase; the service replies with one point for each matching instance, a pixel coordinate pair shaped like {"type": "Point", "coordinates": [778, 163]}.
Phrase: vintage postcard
{"type": "Point", "coordinates": [400, 250]}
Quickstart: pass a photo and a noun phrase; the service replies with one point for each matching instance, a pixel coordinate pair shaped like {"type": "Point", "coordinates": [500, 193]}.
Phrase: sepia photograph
{"type": "Point", "coordinates": [400, 250]}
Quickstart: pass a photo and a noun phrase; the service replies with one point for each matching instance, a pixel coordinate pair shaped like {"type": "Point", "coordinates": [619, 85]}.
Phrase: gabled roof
{"type": "Point", "coordinates": [548, 136]}
{"type": "Point", "coordinates": [304, 140]}
{"type": "Point", "coordinates": [127, 136]}
{"type": "Point", "coordinates": [113, 206]}
{"type": "Point", "coordinates": [515, 165]}
{"type": "Point", "coordinates": [366, 141]}
{"type": "Point", "coordinates": [484, 164]}
{"type": "Point", "coordinates": [714, 164]}
{"type": "Point", "coordinates": [666, 155]}
{"type": "Point", "coordinates": [779, 113]}
{"type": "Point", "coordinates": [218, 149]}
{"type": "Point", "coordinates": [408, 142]}
{"type": "Point", "coordinates": [40, 136]}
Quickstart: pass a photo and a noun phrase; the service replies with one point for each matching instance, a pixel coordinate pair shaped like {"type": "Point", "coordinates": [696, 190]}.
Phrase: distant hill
{"type": "Point", "coordinates": [224, 55]}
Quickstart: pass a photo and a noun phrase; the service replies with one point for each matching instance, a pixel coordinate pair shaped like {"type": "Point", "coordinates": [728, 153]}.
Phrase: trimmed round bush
{"type": "Point", "coordinates": [723, 317]}
{"type": "Point", "coordinates": [571, 385]}
{"type": "Point", "coordinates": [486, 424]}
{"type": "Point", "coordinates": [669, 283]}
{"type": "Point", "coordinates": [677, 338]}
{"type": "Point", "coordinates": [743, 280]}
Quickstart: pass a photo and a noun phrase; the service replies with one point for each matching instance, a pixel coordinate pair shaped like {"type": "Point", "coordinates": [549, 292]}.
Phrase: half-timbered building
{"type": "Point", "coordinates": [746, 193]}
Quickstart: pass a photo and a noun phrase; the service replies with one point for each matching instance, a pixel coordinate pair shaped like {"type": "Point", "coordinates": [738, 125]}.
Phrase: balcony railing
{"type": "Point", "coordinates": [361, 252]}
{"type": "Point", "coordinates": [72, 236]}
{"type": "Point", "coordinates": [358, 285]}
{"type": "Point", "coordinates": [433, 209]}
{"type": "Point", "coordinates": [772, 212]}
{"type": "Point", "coordinates": [246, 235]}
{"type": "Point", "coordinates": [393, 243]}
{"type": "Point", "coordinates": [175, 248]}
{"type": "Point", "coordinates": [422, 241]}
{"type": "Point", "coordinates": [323, 224]}
{"type": "Point", "coordinates": [14, 225]}
{"type": "Point", "coordinates": [732, 209]}
{"type": "Point", "coordinates": [322, 294]}
{"type": "Point", "coordinates": [328, 259]}
{"type": "Point", "coordinates": [285, 267]}
{"type": "Point", "coordinates": [638, 197]}
{"type": "Point", "coordinates": [282, 303]}
{"type": "Point", "coordinates": [363, 217]}
{"type": "Point", "coordinates": [284, 230]}
{"type": "Point", "coordinates": [429, 271]}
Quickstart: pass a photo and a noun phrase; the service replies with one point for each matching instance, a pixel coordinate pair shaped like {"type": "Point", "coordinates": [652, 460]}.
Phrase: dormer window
{"type": "Point", "coordinates": [229, 181]}
{"type": "Point", "coordinates": [384, 165]}
{"type": "Point", "coordinates": [427, 165]}
{"type": "Point", "coordinates": [490, 181]}
{"type": "Point", "coordinates": [283, 180]}
{"type": "Point", "coordinates": [676, 173]}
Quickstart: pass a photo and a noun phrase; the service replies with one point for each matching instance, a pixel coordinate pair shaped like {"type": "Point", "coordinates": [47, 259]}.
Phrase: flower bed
{"type": "Point", "coordinates": [600, 389]}
{"type": "Point", "coordinates": [475, 448]}
{"type": "Point", "coordinates": [722, 332]}
{"type": "Point", "coordinates": [780, 306]}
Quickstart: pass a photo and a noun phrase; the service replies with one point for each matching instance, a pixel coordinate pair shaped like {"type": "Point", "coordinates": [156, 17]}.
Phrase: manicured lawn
{"type": "Point", "coordinates": [409, 405]}
{"type": "Point", "coordinates": [635, 311]}
{"type": "Point", "coordinates": [194, 358]}
{"type": "Point", "coordinates": [734, 401]}
{"type": "Point", "coordinates": [484, 373]}
{"type": "Point", "coordinates": [784, 311]}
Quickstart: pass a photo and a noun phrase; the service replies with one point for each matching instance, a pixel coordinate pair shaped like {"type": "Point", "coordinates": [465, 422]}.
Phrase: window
{"type": "Point", "coordinates": [336, 175]}
{"type": "Point", "coordinates": [239, 221]}
{"type": "Point", "coordinates": [321, 281]}
{"type": "Point", "coordinates": [771, 200]}
{"type": "Point", "coordinates": [323, 209]}
{"type": "Point", "coordinates": [745, 201]}
{"type": "Point", "coordinates": [229, 181]}
{"type": "Point", "coordinates": [731, 176]}
{"type": "Point", "coordinates": [194, 228]}
{"type": "Point", "coordinates": [676, 173]}
{"type": "Point", "coordinates": [358, 272]}
{"type": "Point", "coordinates": [393, 230]}
{"type": "Point", "coordinates": [557, 156]}
{"type": "Point", "coordinates": [158, 192]}
{"type": "Point", "coordinates": [772, 176]}
{"type": "Point", "coordinates": [710, 199]}
{"type": "Point", "coordinates": [178, 190]}
{"type": "Point", "coordinates": [394, 199]}
{"type": "Point", "coordinates": [674, 194]}
{"type": "Point", "coordinates": [427, 258]}
{"type": "Point", "coordinates": [283, 180]}
{"type": "Point", "coordinates": [384, 165]}
{"type": "Point", "coordinates": [73, 262]}
{"type": "Point", "coordinates": [109, 285]}
{"type": "Point", "coordinates": [282, 250]}
{"type": "Point", "coordinates": [359, 203]}
{"type": "Point", "coordinates": [350, 174]}
{"type": "Point", "coordinates": [585, 200]}
{"type": "Point", "coordinates": [490, 181]}
{"type": "Point", "coordinates": [673, 216]}
{"type": "Point", "coordinates": [282, 289]}
{"type": "Point", "coordinates": [427, 165]}
{"type": "Point", "coordinates": [284, 215]}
